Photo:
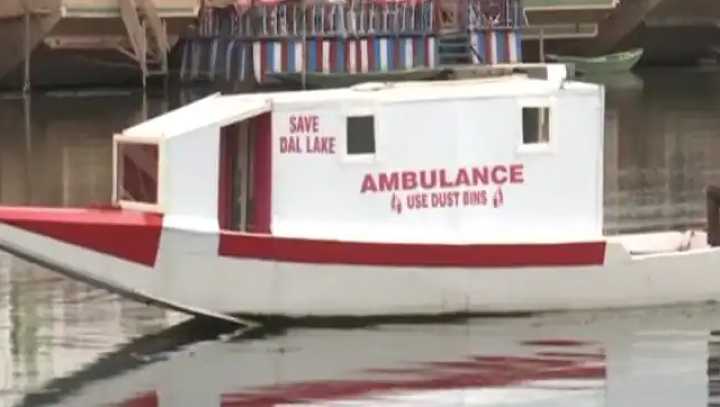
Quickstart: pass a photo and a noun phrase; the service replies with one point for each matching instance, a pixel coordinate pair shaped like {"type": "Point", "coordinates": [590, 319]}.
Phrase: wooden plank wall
{"type": "Point", "coordinates": [16, 8]}
{"type": "Point", "coordinates": [164, 7]}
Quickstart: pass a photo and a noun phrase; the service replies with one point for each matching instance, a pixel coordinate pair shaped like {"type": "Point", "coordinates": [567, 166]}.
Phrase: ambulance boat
{"type": "Point", "coordinates": [418, 198]}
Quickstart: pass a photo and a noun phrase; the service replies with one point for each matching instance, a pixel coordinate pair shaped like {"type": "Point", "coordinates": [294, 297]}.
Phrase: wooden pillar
{"type": "Point", "coordinates": [27, 127]}
{"type": "Point", "coordinates": [303, 78]}
{"type": "Point", "coordinates": [27, 46]}
{"type": "Point", "coordinates": [713, 215]}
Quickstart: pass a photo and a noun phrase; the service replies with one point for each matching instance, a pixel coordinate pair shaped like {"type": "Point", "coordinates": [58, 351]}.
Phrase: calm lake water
{"type": "Point", "coordinates": [63, 343]}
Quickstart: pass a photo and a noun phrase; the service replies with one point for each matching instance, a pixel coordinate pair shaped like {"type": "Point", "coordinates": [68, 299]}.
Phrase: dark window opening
{"type": "Point", "coordinates": [245, 176]}
{"type": "Point", "coordinates": [361, 135]}
{"type": "Point", "coordinates": [536, 125]}
{"type": "Point", "coordinates": [137, 173]}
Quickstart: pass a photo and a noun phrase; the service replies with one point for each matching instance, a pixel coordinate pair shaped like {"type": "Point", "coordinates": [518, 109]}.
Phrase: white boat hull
{"type": "Point", "coordinates": [188, 270]}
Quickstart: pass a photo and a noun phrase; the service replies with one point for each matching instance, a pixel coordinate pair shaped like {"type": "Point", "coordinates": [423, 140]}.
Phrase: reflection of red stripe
{"type": "Point", "coordinates": [133, 236]}
{"type": "Point", "coordinates": [149, 399]}
{"type": "Point", "coordinates": [478, 372]}
{"type": "Point", "coordinates": [398, 254]}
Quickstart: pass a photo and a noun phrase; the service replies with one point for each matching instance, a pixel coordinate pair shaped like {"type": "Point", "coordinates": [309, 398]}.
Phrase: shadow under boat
{"type": "Point", "coordinates": [196, 363]}
{"type": "Point", "coordinates": [132, 356]}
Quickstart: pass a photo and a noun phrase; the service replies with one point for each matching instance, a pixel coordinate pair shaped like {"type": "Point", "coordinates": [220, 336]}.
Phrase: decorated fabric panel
{"type": "Point", "coordinates": [343, 55]}
{"type": "Point", "coordinates": [496, 46]}
{"type": "Point", "coordinates": [216, 58]}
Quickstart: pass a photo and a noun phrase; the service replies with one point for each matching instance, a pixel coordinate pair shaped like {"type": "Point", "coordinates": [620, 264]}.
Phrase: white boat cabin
{"type": "Point", "coordinates": [502, 159]}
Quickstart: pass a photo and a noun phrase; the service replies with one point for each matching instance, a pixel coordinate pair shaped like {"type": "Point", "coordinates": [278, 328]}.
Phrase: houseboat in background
{"type": "Point", "coordinates": [267, 40]}
{"type": "Point", "coordinates": [246, 42]}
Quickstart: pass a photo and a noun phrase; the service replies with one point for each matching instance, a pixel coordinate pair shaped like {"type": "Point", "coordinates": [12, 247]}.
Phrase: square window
{"type": "Point", "coordinates": [361, 135]}
{"type": "Point", "coordinates": [536, 125]}
{"type": "Point", "coordinates": [137, 172]}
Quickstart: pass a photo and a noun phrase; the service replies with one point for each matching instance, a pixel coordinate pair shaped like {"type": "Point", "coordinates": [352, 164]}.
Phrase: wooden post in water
{"type": "Point", "coordinates": [713, 215]}
{"type": "Point", "coordinates": [27, 127]}
{"type": "Point", "coordinates": [26, 76]}
{"type": "Point", "coordinates": [304, 45]}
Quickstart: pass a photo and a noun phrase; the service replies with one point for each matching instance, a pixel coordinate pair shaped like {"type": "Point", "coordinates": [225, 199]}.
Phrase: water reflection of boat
{"type": "Point", "coordinates": [417, 213]}
{"type": "Point", "coordinates": [602, 358]}
{"type": "Point", "coordinates": [618, 62]}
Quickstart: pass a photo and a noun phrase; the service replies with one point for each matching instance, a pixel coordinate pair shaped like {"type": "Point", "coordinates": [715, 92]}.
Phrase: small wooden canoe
{"type": "Point", "coordinates": [618, 62]}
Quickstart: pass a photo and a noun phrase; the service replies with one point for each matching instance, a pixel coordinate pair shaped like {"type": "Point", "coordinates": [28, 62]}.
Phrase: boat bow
{"type": "Point", "coordinates": [69, 241]}
{"type": "Point", "coordinates": [128, 235]}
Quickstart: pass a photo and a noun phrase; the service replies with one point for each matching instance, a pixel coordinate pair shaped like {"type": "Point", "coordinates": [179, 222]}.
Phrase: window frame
{"type": "Point", "coordinates": [364, 157]}
{"type": "Point", "coordinates": [549, 147]}
{"type": "Point", "coordinates": [135, 205]}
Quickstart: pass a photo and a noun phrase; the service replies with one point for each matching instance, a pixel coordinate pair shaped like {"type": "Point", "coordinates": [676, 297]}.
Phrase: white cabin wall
{"type": "Point", "coordinates": [190, 189]}
{"type": "Point", "coordinates": [319, 195]}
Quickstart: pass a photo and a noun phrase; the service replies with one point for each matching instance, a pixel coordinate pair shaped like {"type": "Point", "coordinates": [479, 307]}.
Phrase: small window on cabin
{"type": "Point", "coordinates": [361, 135]}
{"type": "Point", "coordinates": [536, 125]}
{"type": "Point", "coordinates": [137, 172]}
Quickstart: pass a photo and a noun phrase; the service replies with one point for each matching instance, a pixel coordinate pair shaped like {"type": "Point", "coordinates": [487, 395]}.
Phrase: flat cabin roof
{"type": "Point", "coordinates": [223, 110]}
{"type": "Point", "coordinates": [212, 110]}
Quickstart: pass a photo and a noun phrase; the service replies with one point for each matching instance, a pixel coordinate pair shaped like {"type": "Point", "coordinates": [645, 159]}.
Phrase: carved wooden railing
{"type": "Point", "coordinates": [293, 18]}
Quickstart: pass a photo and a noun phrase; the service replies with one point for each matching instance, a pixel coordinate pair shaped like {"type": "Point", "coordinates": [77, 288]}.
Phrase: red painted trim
{"type": "Point", "coordinates": [408, 255]}
{"type": "Point", "coordinates": [148, 399]}
{"type": "Point", "coordinates": [133, 236]}
{"type": "Point", "coordinates": [262, 173]}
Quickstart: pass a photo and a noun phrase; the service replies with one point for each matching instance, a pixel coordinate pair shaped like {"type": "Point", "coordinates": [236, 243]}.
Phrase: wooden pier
{"type": "Point", "coordinates": [65, 41]}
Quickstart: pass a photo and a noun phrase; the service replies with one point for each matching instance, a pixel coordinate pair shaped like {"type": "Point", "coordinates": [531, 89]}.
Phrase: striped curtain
{"type": "Point", "coordinates": [496, 46]}
{"type": "Point", "coordinates": [343, 55]}
{"type": "Point", "coordinates": [216, 58]}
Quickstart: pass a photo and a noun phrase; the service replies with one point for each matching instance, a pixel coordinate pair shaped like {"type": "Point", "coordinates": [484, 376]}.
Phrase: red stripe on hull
{"type": "Point", "coordinates": [132, 236]}
{"type": "Point", "coordinates": [409, 255]}
{"type": "Point", "coordinates": [149, 399]}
